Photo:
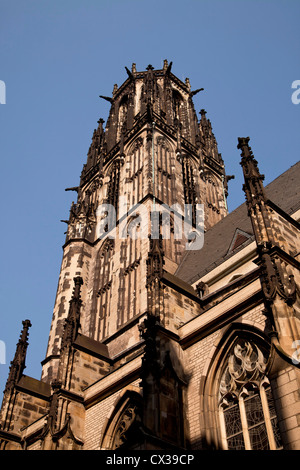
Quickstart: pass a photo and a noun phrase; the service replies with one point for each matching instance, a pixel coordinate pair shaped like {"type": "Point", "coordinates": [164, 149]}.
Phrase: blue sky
{"type": "Point", "coordinates": [57, 57]}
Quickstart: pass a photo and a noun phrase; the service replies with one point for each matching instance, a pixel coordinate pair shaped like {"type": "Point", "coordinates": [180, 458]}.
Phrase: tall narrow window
{"type": "Point", "coordinates": [247, 412]}
{"type": "Point", "coordinates": [122, 118]}
{"type": "Point", "coordinates": [103, 281]}
{"type": "Point", "coordinates": [190, 197]}
{"type": "Point", "coordinates": [114, 185]}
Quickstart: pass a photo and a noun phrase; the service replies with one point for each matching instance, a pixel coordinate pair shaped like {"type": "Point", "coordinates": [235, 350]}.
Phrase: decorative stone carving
{"type": "Point", "coordinates": [127, 419]}
{"type": "Point", "coordinates": [202, 289]}
{"type": "Point", "coordinates": [155, 261]}
{"type": "Point", "coordinates": [274, 277]}
{"type": "Point", "coordinates": [253, 187]}
{"type": "Point", "coordinates": [73, 319]}
{"type": "Point", "coordinates": [18, 363]}
{"type": "Point", "coordinates": [246, 363]}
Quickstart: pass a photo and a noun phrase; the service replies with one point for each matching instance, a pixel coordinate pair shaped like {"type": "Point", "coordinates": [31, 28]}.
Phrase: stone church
{"type": "Point", "coordinates": [162, 338]}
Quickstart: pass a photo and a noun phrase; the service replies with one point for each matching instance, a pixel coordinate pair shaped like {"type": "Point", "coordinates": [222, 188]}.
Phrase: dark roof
{"type": "Point", "coordinates": [284, 191]}
{"type": "Point", "coordinates": [91, 346]}
{"type": "Point", "coordinates": [34, 386]}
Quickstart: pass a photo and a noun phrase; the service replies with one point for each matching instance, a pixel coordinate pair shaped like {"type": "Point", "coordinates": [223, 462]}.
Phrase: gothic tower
{"type": "Point", "coordinates": [176, 325]}
{"type": "Point", "coordinates": [154, 154]}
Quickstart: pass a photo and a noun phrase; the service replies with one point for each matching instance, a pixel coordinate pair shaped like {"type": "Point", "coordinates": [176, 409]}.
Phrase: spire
{"type": "Point", "coordinates": [73, 319]}
{"type": "Point", "coordinates": [205, 127]}
{"type": "Point", "coordinates": [18, 363]}
{"type": "Point", "coordinates": [276, 279]}
{"type": "Point", "coordinates": [207, 138]}
{"type": "Point", "coordinates": [96, 144]}
{"type": "Point", "coordinates": [96, 151]}
{"type": "Point", "coordinates": [53, 409]}
{"type": "Point", "coordinates": [253, 187]}
{"type": "Point", "coordinates": [155, 260]}
{"type": "Point", "coordinates": [150, 86]}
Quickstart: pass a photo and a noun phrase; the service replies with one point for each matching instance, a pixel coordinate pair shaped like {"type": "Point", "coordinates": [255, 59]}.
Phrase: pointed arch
{"type": "Point", "coordinates": [235, 374]}
{"type": "Point", "coordinates": [102, 286]}
{"type": "Point", "coordinates": [135, 144]}
{"type": "Point", "coordinates": [122, 114]}
{"type": "Point", "coordinates": [190, 185]}
{"type": "Point", "coordinates": [113, 174]}
{"type": "Point", "coordinates": [164, 167]}
{"type": "Point", "coordinates": [178, 102]}
{"type": "Point", "coordinates": [134, 175]}
{"type": "Point", "coordinates": [123, 419]}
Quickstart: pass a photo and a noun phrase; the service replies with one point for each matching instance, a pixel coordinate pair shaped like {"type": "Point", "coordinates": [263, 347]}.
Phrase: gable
{"type": "Point", "coordinates": [238, 239]}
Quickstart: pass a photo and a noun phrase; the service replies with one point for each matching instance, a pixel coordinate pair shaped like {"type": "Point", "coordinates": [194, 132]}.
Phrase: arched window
{"type": "Point", "coordinates": [177, 106]}
{"type": "Point", "coordinates": [189, 186]}
{"type": "Point", "coordinates": [247, 413]}
{"type": "Point", "coordinates": [102, 288]}
{"type": "Point", "coordinates": [122, 118]}
{"type": "Point", "coordinates": [122, 426]}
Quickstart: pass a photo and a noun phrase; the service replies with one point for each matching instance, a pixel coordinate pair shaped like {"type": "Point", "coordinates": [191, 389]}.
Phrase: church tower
{"type": "Point", "coordinates": [175, 325]}
{"type": "Point", "coordinates": [154, 155]}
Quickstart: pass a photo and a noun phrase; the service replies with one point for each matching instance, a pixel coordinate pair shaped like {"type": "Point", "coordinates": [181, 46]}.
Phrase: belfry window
{"type": "Point", "coordinates": [122, 119]}
{"type": "Point", "coordinates": [247, 412]}
{"type": "Point", "coordinates": [177, 106]}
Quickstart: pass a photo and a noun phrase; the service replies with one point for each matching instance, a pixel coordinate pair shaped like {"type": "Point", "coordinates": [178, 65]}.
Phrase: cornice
{"type": "Point", "coordinates": [133, 132]}
{"type": "Point", "coordinates": [218, 321]}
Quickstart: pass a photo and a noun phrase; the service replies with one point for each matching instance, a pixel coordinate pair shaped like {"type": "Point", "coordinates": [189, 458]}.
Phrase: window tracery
{"type": "Point", "coordinates": [247, 410]}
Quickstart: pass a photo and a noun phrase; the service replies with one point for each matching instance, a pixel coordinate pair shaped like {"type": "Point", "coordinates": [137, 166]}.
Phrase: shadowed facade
{"type": "Point", "coordinates": [154, 344]}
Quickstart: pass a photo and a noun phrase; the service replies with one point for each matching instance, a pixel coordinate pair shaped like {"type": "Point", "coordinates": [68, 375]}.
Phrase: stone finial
{"type": "Point", "coordinates": [18, 363]}
{"type": "Point", "coordinates": [253, 187]}
{"type": "Point", "coordinates": [188, 85]}
{"type": "Point", "coordinates": [115, 89]}
{"type": "Point", "coordinates": [73, 319]}
{"type": "Point", "coordinates": [155, 261]}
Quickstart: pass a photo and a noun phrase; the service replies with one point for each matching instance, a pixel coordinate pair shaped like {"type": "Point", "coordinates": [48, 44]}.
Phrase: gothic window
{"type": "Point", "coordinates": [212, 193]}
{"type": "Point", "coordinates": [134, 172]}
{"type": "Point", "coordinates": [123, 423]}
{"type": "Point", "coordinates": [123, 110]}
{"type": "Point", "coordinates": [177, 106]}
{"type": "Point", "coordinates": [246, 406]}
{"type": "Point", "coordinates": [113, 185]}
{"type": "Point", "coordinates": [165, 166]}
{"type": "Point", "coordinates": [190, 196]}
{"type": "Point", "coordinates": [102, 287]}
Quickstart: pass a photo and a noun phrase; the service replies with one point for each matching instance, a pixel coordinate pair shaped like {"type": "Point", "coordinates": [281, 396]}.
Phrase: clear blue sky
{"type": "Point", "coordinates": [57, 57]}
